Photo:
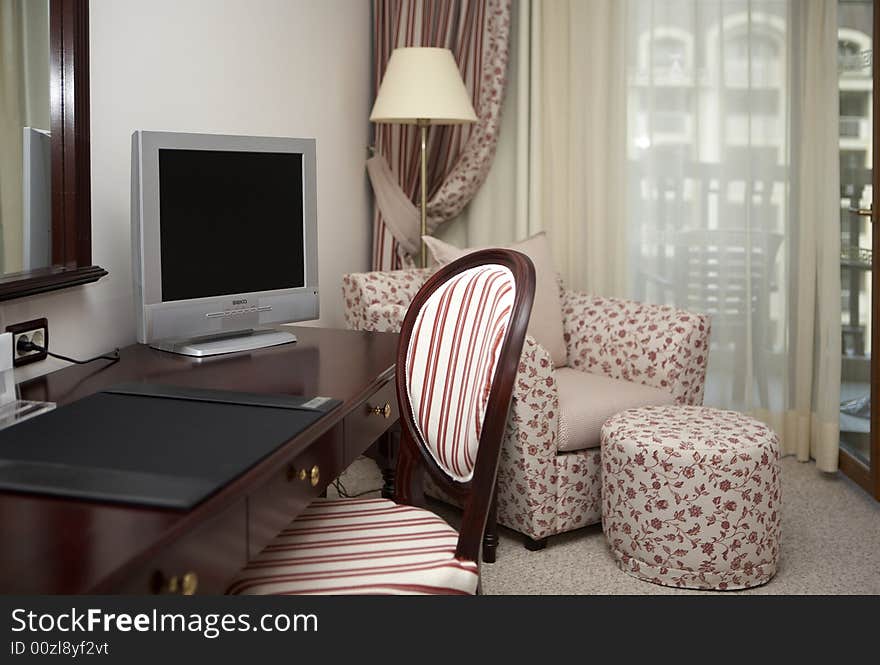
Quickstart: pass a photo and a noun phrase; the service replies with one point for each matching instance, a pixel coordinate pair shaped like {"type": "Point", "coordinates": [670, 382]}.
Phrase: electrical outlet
{"type": "Point", "coordinates": [36, 331]}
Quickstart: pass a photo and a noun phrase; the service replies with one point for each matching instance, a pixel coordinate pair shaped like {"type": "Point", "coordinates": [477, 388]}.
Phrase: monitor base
{"type": "Point", "coordinates": [228, 342]}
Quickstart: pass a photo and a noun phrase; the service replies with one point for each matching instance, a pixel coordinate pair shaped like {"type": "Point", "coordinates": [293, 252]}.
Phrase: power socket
{"type": "Point", "coordinates": [36, 331]}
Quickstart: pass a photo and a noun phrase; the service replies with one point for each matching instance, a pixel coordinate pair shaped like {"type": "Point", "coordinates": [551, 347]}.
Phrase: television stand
{"type": "Point", "coordinates": [226, 342]}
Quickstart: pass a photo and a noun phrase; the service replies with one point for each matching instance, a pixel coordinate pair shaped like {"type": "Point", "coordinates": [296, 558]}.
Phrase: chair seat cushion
{"type": "Point", "coordinates": [587, 400]}
{"type": "Point", "coordinates": [360, 546]}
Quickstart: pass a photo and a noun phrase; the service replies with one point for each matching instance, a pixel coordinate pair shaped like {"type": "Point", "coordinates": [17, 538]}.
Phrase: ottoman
{"type": "Point", "coordinates": [690, 496]}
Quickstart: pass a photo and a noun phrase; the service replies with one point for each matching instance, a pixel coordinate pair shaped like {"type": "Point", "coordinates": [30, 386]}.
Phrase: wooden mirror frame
{"type": "Point", "coordinates": [71, 170]}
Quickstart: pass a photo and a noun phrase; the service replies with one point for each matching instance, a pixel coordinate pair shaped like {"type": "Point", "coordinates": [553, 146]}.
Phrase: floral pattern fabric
{"type": "Point", "coordinates": [654, 345]}
{"type": "Point", "coordinates": [691, 496]}
{"type": "Point", "coordinates": [540, 491]}
{"type": "Point", "coordinates": [377, 301]}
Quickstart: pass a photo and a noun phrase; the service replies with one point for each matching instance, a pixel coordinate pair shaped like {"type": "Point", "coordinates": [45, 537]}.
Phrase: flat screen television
{"type": "Point", "coordinates": [224, 239]}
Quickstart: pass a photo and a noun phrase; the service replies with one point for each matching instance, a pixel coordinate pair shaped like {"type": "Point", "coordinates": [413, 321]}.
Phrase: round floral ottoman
{"type": "Point", "coordinates": [690, 496]}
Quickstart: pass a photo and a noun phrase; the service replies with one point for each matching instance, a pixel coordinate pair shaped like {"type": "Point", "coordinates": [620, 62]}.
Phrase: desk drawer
{"type": "Point", "coordinates": [272, 506]}
{"type": "Point", "coordinates": [363, 426]}
{"type": "Point", "coordinates": [211, 556]}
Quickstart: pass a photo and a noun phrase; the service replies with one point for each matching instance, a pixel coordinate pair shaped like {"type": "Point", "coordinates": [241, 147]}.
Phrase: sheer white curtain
{"type": "Point", "coordinates": [733, 197]}
{"type": "Point", "coordinates": [560, 162]}
{"type": "Point", "coordinates": [720, 194]}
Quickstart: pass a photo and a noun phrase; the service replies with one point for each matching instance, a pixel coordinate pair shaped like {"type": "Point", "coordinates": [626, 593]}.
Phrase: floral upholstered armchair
{"type": "Point", "coordinates": [621, 354]}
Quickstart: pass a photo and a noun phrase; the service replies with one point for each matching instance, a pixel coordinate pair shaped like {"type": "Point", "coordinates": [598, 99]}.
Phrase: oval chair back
{"type": "Point", "coordinates": [457, 360]}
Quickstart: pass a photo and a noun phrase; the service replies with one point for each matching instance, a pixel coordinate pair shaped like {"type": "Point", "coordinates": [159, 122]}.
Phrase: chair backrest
{"type": "Point", "coordinates": [457, 359]}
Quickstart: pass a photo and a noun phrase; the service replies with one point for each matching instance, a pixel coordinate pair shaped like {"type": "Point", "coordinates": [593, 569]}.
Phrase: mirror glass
{"type": "Point", "coordinates": [25, 163]}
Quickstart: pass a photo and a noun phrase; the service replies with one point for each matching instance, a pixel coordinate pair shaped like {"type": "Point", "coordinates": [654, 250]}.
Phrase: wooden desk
{"type": "Point", "coordinates": [52, 545]}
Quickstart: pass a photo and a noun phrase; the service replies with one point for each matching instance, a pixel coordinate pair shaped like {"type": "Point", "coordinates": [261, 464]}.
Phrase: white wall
{"type": "Point", "coordinates": [267, 67]}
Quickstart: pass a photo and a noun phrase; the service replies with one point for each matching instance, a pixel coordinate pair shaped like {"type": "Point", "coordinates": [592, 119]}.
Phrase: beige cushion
{"type": "Point", "coordinates": [546, 322]}
{"type": "Point", "coordinates": [586, 401]}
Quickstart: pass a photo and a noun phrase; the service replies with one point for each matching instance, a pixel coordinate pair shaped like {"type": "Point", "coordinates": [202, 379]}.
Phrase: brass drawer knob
{"type": "Point", "coordinates": [384, 411]}
{"type": "Point", "coordinates": [294, 474]}
{"type": "Point", "coordinates": [181, 585]}
{"type": "Point", "coordinates": [189, 583]}
{"type": "Point", "coordinates": [313, 476]}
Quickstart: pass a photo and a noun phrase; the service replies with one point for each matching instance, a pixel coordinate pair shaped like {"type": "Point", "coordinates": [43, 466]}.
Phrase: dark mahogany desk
{"type": "Point", "coordinates": [52, 545]}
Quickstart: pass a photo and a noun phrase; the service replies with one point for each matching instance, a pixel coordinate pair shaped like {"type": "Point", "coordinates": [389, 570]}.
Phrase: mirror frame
{"type": "Point", "coordinates": [71, 170]}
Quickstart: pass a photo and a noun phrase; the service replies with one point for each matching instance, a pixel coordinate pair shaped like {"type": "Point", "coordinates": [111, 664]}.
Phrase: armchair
{"type": "Point", "coordinates": [621, 354]}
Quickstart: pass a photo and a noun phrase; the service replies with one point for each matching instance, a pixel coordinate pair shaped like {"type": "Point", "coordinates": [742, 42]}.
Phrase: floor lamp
{"type": "Point", "coordinates": [422, 86]}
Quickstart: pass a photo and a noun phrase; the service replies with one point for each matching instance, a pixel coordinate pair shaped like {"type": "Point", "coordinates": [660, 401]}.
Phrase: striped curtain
{"type": "Point", "coordinates": [459, 156]}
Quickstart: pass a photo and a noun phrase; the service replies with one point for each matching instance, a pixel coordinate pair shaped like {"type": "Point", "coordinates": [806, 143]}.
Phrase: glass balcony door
{"type": "Point", "coordinates": [860, 374]}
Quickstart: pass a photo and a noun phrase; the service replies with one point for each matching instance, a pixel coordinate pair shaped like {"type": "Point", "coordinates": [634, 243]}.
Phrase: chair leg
{"type": "Point", "coordinates": [490, 535]}
{"type": "Point", "coordinates": [389, 491]}
{"type": "Point", "coordinates": [388, 445]}
{"type": "Point", "coordinates": [533, 545]}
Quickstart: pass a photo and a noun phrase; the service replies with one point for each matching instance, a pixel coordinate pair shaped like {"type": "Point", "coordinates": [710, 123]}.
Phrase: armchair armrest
{"type": "Point", "coordinates": [380, 317]}
{"type": "Point", "coordinates": [534, 413]}
{"type": "Point", "coordinates": [377, 301]}
{"type": "Point", "coordinates": [655, 345]}
{"type": "Point", "coordinates": [527, 473]}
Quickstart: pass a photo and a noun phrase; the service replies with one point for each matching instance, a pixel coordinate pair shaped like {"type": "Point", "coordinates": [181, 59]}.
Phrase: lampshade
{"type": "Point", "coordinates": [423, 84]}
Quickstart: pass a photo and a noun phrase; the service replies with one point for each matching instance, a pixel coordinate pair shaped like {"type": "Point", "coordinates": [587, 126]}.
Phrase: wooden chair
{"type": "Point", "coordinates": [458, 355]}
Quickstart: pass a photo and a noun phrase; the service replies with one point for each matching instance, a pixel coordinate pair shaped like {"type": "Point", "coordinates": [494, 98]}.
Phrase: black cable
{"type": "Point", "coordinates": [343, 492]}
{"type": "Point", "coordinates": [26, 345]}
{"type": "Point", "coordinates": [340, 488]}
{"type": "Point", "coordinates": [113, 359]}
{"type": "Point", "coordinates": [370, 491]}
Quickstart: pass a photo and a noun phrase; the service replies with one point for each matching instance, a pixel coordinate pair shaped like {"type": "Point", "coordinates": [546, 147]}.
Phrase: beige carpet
{"type": "Point", "coordinates": [830, 545]}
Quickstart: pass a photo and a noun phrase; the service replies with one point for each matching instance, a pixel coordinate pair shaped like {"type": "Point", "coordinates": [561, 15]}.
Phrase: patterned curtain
{"type": "Point", "coordinates": [459, 156]}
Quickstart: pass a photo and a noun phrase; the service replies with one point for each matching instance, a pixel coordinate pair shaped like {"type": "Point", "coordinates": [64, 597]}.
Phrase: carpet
{"type": "Point", "coordinates": [830, 545]}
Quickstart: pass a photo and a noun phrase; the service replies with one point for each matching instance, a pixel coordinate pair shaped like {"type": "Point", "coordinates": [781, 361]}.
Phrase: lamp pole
{"type": "Point", "coordinates": [423, 128]}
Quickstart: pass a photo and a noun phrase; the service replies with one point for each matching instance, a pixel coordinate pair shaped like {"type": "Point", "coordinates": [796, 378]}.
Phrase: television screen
{"type": "Point", "coordinates": [230, 222]}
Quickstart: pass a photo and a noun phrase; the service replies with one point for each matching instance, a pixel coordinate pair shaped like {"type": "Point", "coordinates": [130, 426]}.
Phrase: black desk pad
{"type": "Point", "coordinates": [151, 445]}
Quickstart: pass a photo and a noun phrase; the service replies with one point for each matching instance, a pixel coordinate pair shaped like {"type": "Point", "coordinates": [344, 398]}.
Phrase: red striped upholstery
{"type": "Point", "coordinates": [360, 546]}
{"type": "Point", "coordinates": [451, 363]}
{"type": "Point", "coordinates": [450, 348]}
